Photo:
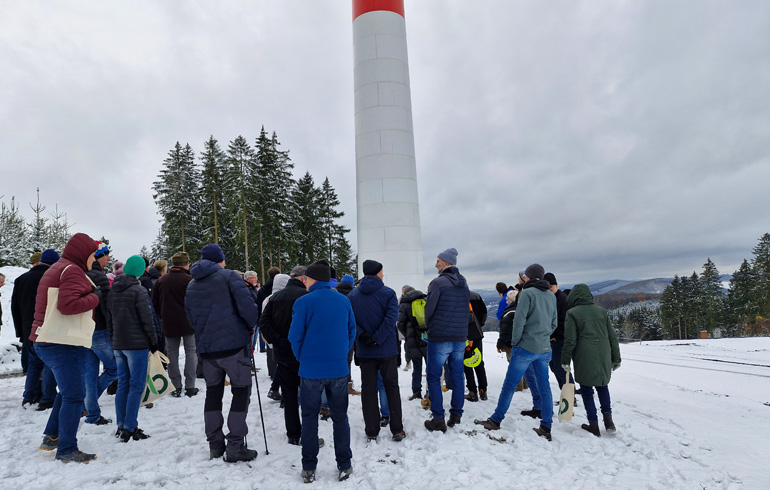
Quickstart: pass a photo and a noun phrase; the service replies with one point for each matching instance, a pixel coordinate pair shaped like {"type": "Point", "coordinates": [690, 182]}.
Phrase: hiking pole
{"type": "Point", "coordinates": [259, 399]}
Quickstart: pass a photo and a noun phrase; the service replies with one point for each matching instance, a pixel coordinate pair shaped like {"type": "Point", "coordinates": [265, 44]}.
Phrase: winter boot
{"type": "Point", "coordinates": [472, 396]}
{"type": "Point", "coordinates": [177, 393]}
{"type": "Point", "coordinates": [488, 424]}
{"type": "Point", "coordinates": [191, 392]}
{"type": "Point", "coordinates": [345, 474]}
{"type": "Point", "coordinates": [49, 443]}
{"type": "Point", "coordinates": [453, 420]}
{"type": "Point", "coordinates": [399, 436]}
{"type": "Point", "coordinates": [435, 424]}
{"type": "Point", "coordinates": [425, 402]}
{"type": "Point", "coordinates": [274, 395]}
{"type": "Point", "coordinates": [609, 425]}
{"type": "Point", "coordinates": [76, 457]}
{"type": "Point", "coordinates": [113, 388]}
{"type": "Point", "coordinates": [216, 453]}
{"type": "Point", "coordinates": [384, 421]}
{"type": "Point", "coordinates": [41, 407]}
{"type": "Point", "coordinates": [102, 421]}
{"type": "Point", "coordinates": [592, 427]}
{"type": "Point", "coordinates": [415, 396]}
{"type": "Point", "coordinates": [483, 394]}
{"type": "Point", "coordinates": [543, 432]}
{"type": "Point", "coordinates": [139, 434]}
{"type": "Point", "coordinates": [325, 413]}
{"type": "Point", "coordinates": [308, 476]}
{"type": "Point", "coordinates": [535, 414]}
{"type": "Point", "coordinates": [353, 391]}
{"type": "Point", "coordinates": [243, 453]}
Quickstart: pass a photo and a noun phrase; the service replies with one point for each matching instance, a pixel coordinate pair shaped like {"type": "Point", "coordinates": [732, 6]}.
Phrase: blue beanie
{"type": "Point", "coordinates": [348, 279]}
{"type": "Point", "coordinates": [212, 252]}
{"type": "Point", "coordinates": [49, 257]}
{"type": "Point", "coordinates": [449, 256]}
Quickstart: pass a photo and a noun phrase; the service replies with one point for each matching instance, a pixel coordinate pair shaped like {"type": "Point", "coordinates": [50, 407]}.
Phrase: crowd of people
{"type": "Point", "coordinates": [73, 318]}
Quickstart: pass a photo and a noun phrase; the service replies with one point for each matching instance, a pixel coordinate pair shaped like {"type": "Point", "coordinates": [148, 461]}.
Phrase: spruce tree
{"type": "Point", "coordinates": [240, 180]}
{"type": "Point", "coordinates": [711, 297]}
{"type": "Point", "coordinates": [308, 237]}
{"type": "Point", "coordinates": [13, 234]}
{"type": "Point", "coordinates": [58, 230]}
{"type": "Point", "coordinates": [213, 162]}
{"type": "Point", "coordinates": [37, 235]}
{"type": "Point", "coordinates": [760, 265]}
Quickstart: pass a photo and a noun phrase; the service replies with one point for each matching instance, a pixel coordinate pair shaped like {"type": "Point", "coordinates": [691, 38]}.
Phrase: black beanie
{"type": "Point", "coordinates": [371, 267]}
{"type": "Point", "coordinates": [551, 279]}
{"type": "Point", "coordinates": [320, 271]}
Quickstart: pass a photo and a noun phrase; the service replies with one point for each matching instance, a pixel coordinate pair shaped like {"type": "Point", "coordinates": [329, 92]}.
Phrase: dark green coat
{"type": "Point", "coordinates": [589, 339]}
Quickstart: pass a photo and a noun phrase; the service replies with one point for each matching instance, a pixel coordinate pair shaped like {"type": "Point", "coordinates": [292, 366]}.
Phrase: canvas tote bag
{"type": "Point", "coordinates": [65, 329]}
{"type": "Point", "coordinates": [158, 383]}
{"type": "Point", "coordinates": [567, 400]}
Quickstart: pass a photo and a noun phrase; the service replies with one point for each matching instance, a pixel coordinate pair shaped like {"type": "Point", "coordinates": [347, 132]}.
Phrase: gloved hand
{"type": "Point", "coordinates": [615, 365]}
{"type": "Point", "coordinates": [154, 348]}
{"type": "Point", "coordinates": [501, 345]}
{"type": "Point", "coordinates": [565, 367]}
{"type": "Point", "coordinates": [366, 339]}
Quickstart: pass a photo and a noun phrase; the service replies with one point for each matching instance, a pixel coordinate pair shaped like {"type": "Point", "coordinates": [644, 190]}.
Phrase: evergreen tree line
{"type": "Point", "coordinates": [20, 238]}
{"type": "Point", "coordinates": [698, 303]}
{"type": "Point", "coordinates": [245, 199]}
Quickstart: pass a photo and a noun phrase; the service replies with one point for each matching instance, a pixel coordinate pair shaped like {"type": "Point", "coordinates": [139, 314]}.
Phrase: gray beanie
{"type": "Point", "coordinates": [534, 271]}
{"type": "Point", "coordinates": [449, 256]}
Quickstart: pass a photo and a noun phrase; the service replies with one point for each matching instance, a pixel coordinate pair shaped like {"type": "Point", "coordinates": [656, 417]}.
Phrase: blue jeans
{"type": "Point", "coordinates": [66, 362]}
{"type": "Point", "coordinates": [587, 393]}
{"type": "Point", "coordinates": [132, 379]}
{"type": "Point", "coordinates": [32, 385]}
{"type": "Point", "coordinates": [101, 352]}
{"type": "Point", "coordinates": [336, 390]}
{"type": "Point", "coordinates": [384, 409]}
{"type": "Point", "coordinates": [531, 379]}
{"type": "Point", "coordinates": [438, 354]}
{"type": "Point", "coordinates": [520, 360]}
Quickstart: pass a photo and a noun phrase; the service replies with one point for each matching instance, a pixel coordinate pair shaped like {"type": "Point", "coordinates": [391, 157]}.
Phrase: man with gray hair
{"type": "Point", "coordinates": [274, 324]}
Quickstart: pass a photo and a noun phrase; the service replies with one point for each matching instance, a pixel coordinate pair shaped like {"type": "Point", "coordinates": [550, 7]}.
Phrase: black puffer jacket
{"type": "Point", "coordinates": [103, 283]}
{"type": "Point", "coordinates": [407, 325]}
{"type": "Point", "coordinates": [276, 320]}
{"type": "Point", "coordinates": [129, 316]}
{"type": "Point", "coordinates": [506, 326]}
{"type": "Point", "coordinates": [561, 315]}
{"type": "Point", "coordinates": [476, 332]}
{"type": "Point", "coordinates": [23, 300]}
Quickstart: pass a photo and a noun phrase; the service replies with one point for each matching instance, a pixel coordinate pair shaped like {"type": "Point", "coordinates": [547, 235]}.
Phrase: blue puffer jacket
{"type": "Point", "coordinates": [376, 309]}
{"type": "Point", "coordinates": [446, 307]}
{"type": "Point", "coordinates": [322, 332]}
{"type": "Point", "coordinates": [219, 308]}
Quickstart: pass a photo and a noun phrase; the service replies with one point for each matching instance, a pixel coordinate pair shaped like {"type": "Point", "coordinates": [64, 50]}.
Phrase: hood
{"type": "Point", "coordinates": [580, 295]}
{"type": "Point", "coordinates": [412, 295]}
{"type": "Point", "coordinates": [78, 249]}
{"type": "Point", "coordinates": [453, 274]}
{"type": "Point", "coordinates": [203, 268]}
{"type": "Point", "coordinates": [370, 284]}
{"type": "Point", "coordinates": [540, 284]}
{"type": "Point", "coordinates": [123, 282]}
{"type": "Point", "coordinates": [279, 282]}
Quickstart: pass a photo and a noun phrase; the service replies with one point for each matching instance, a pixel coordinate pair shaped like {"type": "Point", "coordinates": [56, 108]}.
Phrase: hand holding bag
{"type": "Point", "coordinates": [62, 329]}
{"type": "Point", "coordinates": [567, 400]}
{"type": "Point", "coordinates": [158, 383]}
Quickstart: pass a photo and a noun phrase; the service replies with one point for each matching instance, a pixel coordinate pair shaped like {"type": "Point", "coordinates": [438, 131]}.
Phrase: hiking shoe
{"type": "Point", "coordinates": [353, 391]}
{"type": "Point", "coordinates": [274, 395]}
{"type": "Point", "coordinates": [384, 421]}
{"type": "Point", "coordinates": [191, 392]}
{"type": "Point", "coordinates": [102, 421]}
{"type": "Point", "coordinates": [149, 405]}
{"type": "Point", "coordinates": [435, 424]}
{"type": "Point", "coordinates": [44, 406]}
{"type": "Point", "coordinates": [415, 396]}
{"type": "Point", "coordinates": [177, 393]}
{"type": "Point", "coordinates": [453, 420]}
{"type": "Point", "coordinates": [325, 413]}
{"type": "Point", "coordinates": [488, 424]}
{"type": "Point", "coordinates": [371, 438]}
{"type": "Point", "coordinates": [472, 396]}
{"type": "Point", "coordinates": [345, 474]}
{"type": "Point", "coordinates": [535, 414]}
{"type": "Point", "coordinates": [49, 443]}
{"type": "Point", "coordinates": [308, 476]}
{"type": "Point", "coordinates": [138, 434]}
{"type": "Point", "coordinates": [241, 454]}
{"type": "Point", "coordinates": [425, 402]}
{"type": "Point", "coordinates": [543, 432]}
{"type": "Point", "coordinates": [216, 453]}
{"type": "Point", "coordinates": [483, 395]}
{"type": "Point", "coordinates": [592, 427]}
{"type": "Point", "coordinates": [399, 436]}
{"type": "Point", "coordinates": [76, 457]}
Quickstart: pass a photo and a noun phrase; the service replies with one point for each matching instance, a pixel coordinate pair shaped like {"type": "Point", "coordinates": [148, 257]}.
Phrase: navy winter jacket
{"type": "Point", "coordinates": [322, 332]}
{"type": "Point", "coordinates": [375, 307]}
{"type": "Point", "coordinates": [446, 307]}
{"type": "Point", "coordinates": [220, 309]}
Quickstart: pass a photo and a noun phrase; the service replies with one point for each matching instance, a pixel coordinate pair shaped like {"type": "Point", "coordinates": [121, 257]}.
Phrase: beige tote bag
{"type": "Point", "coordinates": [158, 382]}
{"type": "Point", "coordinates": [65, 329]}
{"type": "Point", "coordinates": [567, 400]}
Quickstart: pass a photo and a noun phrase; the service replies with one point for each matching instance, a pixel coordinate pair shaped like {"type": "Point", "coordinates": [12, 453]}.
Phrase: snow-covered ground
{"type": "Point", "coordinates": [690, 415]}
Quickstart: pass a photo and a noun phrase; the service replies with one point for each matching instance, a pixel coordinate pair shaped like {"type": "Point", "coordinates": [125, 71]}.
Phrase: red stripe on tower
{"type": "Point", "coordinates": [361, 7]}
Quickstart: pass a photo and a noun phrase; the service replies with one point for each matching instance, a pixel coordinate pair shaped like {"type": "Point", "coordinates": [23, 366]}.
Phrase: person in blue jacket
{"type": "Point", "coordinates": [223, 314]}
{"type": "Point", "coordinates": [322, 332]}
{"type": "Point", "coordinates": [376, 310]}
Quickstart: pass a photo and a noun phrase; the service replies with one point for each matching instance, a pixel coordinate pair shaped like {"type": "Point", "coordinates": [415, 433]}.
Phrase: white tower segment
{"type": "Point", "coordinates": [386, 172]}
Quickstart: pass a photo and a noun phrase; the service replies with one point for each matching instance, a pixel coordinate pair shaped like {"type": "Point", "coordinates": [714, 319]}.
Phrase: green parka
{"type": "Point", "coordinates": [589, 339]}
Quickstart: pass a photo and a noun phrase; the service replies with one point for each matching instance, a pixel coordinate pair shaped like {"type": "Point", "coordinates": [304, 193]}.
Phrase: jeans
{"type": "Point", "coordinates": [480, 370]}
{"type": "Point", "coordinates": [520, 360]}
{"type": "Point", "coordinates": [384, 408]}
{"type": "Point", "coordinates": [531, 379]}
{"type": "Point", "coordinates": [370, 370]}
{"type": "Point", "coordinates": [555, 364]}
{"type": "Point", "coordinates": [336, 390]}
{"type": "Point", "coordinates": [417, 371]}
{"type": "Point", "coordinates": [438, 354]}
{"type": "Point", "coordinates": [587, 393]}
{"type": "Point", "coordinates": [66, 362]}
{"type": "Point", "coordinates": [101, 352]}
{"type": "Point", "coordinates": [132, 379]}
{"type": "Point", "coordinates": [33, 386]}
{"type": "Point", "coordinates": [190, 360]}
{"type": "Point", "coordinates": [237, 367]}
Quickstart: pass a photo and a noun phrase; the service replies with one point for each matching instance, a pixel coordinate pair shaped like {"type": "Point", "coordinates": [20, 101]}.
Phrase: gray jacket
{"type": "Point", "coordinates": [535, 318]}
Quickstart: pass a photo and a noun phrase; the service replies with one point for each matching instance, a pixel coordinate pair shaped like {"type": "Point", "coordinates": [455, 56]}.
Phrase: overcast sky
{"type": "Point", "coordinates": [604, 140]}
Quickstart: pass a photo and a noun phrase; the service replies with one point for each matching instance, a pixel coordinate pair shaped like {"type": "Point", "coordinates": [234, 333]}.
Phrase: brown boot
{"type": "Point", "coordinates": [609, 425]}
{"type": "Point", "coordinates": [353, 391]}
{"type": "Point", "coordinates": [592, 427]}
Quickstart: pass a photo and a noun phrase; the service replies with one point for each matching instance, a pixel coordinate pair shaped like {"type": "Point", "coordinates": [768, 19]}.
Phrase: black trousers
{"type": "Point", "coordinates": [388, 368]}
{"type": "Point", "coordinates": [288, 375]}
{"type": "Point", "coordinates": [481, 372]}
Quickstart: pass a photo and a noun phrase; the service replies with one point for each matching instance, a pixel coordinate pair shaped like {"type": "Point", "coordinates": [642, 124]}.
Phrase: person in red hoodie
{"type": "Point", "coordinates": [67, 359]}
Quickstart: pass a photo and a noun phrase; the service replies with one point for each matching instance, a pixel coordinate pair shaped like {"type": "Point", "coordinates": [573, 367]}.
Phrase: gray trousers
{"type": "Point", "coordinates": [238, 369]}
{"type": "Point", "coordinates": [190, 362]}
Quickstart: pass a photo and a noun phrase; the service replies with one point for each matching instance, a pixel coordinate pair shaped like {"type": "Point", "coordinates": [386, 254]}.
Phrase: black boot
{"type": "Point", "coordinates": [435, 424]}
{"type": "Point", "coordinates": [592, 427]}
{"type": "Point", "coordinates": [609, 425]}
{"type": "Point", "coordinates": [535, 414]}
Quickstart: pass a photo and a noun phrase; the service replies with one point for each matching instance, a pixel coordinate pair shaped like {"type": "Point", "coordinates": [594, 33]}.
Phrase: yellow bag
{"type": "Point", "coordinates": [75, 329]}
{"type": "Point", "coordinates": [158, 382]}
{"type": "Point", "coordinates": [567, 400]}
